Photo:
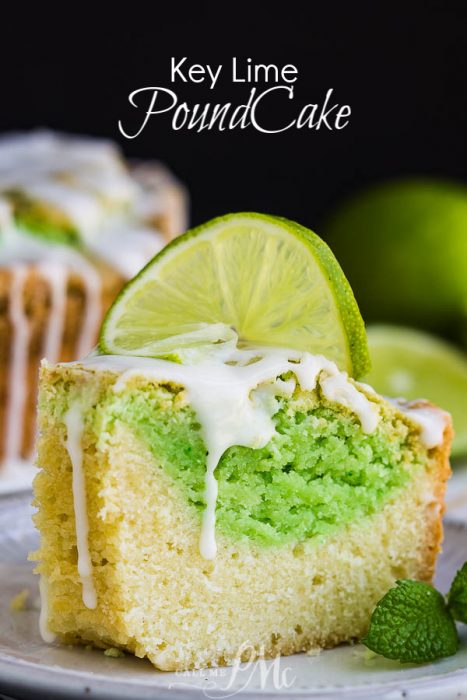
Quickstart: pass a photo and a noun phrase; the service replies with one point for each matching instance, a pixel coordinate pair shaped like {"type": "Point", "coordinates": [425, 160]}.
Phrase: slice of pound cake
{"type": "Point", "coordinates": [312, 527]}
{"type": "Point", "coordinates": [76, 222]}
{"type": "Point", "coordinates": [240, 501]}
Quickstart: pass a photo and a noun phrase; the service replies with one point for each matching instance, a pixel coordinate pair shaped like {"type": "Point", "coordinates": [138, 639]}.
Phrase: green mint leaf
{"type": "Point", "coordinates": [457, 598]}
{"type": "Point", "coordinates": [412, 623]}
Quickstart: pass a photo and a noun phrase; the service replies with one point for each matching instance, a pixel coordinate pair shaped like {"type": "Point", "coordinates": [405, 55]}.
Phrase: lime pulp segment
{"type": "Point", "coordinates": [270, 280]}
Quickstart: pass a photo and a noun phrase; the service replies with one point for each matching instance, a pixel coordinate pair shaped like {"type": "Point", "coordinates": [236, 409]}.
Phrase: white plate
{"type": "Point", "coordinates": [16, 476]}
{"type": "Point", "coordinates": [31, 669]}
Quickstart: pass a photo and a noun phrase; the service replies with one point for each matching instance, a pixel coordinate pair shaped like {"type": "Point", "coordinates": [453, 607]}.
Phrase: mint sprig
{"type": "Point", "coordinates": [413, 623]}
{"type": "Point", "coordinates": [457, 598]}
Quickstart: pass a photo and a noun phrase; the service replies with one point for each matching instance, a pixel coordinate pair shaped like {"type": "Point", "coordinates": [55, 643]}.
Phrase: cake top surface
{"type": "Point", "coordinates": [226, 375]}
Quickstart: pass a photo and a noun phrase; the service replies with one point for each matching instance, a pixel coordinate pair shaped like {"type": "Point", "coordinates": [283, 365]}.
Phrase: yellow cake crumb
{"type": "Point", "coordinates": [114, 653]}
{"type": "Point", "coordinates": [20, 600]}
{"type": "Point", "coordinates": [314, 651]}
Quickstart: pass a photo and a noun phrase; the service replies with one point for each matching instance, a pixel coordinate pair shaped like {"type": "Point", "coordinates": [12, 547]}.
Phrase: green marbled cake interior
{"type": "Point", "coordinates": [41, 219]}
{"type": "Point", "coordinates": [318, 473]}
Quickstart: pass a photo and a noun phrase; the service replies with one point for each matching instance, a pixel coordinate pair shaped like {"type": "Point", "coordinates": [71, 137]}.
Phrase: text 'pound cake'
{"type": "Point", "coordinates": [75, 223]}
{"type": "Point", "coordinates": [212, 492]}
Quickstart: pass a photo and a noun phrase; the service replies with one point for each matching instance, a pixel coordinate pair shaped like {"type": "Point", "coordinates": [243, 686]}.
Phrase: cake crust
{"type": "Point", "coordinates": [434, 521]}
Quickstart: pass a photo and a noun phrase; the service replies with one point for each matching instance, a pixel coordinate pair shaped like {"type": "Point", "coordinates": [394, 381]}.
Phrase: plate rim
{"type": "Point", "coordinates": [72, 684]}
{"type": "Point", "coordinates": [60, 681]}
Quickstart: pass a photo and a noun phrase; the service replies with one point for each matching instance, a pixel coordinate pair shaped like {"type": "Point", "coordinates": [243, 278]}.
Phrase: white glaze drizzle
{"type": "Point", "coordinates": [93, 306]}
{"type": "Point", "coordinates": [19, 251]}
{"type": "Point", "coordinates": [44, 630]}
{"type": "Point", "coordinates": [87, 180]}
{"type": "Point", "coordinates": [74, 421]}
{"type": "Point", "coordinates": [83, 178]}
{"type": "Point", "coordinates": [30, 249]}
{"type": "Point", "coordinates": [54, 263]}
{"type": "Point", "coordinates": [432, 420]}
{"type": "Point", "coordinates": [17, 384]}
{"type": "Point", "coordinates": [56, 275]}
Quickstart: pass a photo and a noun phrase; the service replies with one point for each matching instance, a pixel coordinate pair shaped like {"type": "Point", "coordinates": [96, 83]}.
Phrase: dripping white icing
{"type": "Point", "coordinates": [17, 384]}
{"type": "Point", "coordinates": [44, 630]}
{"type": "Point", "coordinates": [29, 249]}
{"type": "Point", "coordinates": [93, 306]}
{"type": "Point", "coordinates": [56, 276]}
{"type": "Point", "coordinates": [108, 205]}
{"type": "Point", "coordinates": [54, 263]}
{"type": "Point", "coordinates": [235, 403]}
{"type": "Point", "coordinates": [74, 422]}
{"type": "Point", "coordinates": [336, 388]}
{"type": "Point", "coordinates": [432, 421]}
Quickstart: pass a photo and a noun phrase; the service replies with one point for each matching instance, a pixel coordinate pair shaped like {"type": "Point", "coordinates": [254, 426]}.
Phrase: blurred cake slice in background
{"type": "Point", "coordinates": [76, 222]}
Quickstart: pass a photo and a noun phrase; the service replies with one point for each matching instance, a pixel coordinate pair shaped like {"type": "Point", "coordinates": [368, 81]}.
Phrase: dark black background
{"type": "Point", "coordinates": [402, 68]}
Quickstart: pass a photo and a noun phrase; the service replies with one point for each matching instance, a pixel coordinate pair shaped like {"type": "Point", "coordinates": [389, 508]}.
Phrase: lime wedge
{"type": "Point", "coordinates": [269, 280]}
{"type": "Point", "coordinates": [416, 365]}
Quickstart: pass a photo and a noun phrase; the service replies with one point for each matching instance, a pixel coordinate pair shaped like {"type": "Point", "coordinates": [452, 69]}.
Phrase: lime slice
{"type": "Point", "coordinates": [269, 280]}
{"type": "Point", "coordinates": [416, 365]}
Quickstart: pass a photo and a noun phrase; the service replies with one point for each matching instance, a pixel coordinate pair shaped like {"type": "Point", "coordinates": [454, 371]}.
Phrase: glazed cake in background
{"type": "Point", "coordinates": [342, 495]}
{"type": "Point", "coordinates": [75, 223]}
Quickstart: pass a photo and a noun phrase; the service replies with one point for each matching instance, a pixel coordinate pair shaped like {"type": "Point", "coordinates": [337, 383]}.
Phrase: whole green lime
{"type": "Point", "coordinates": [403, 247]}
